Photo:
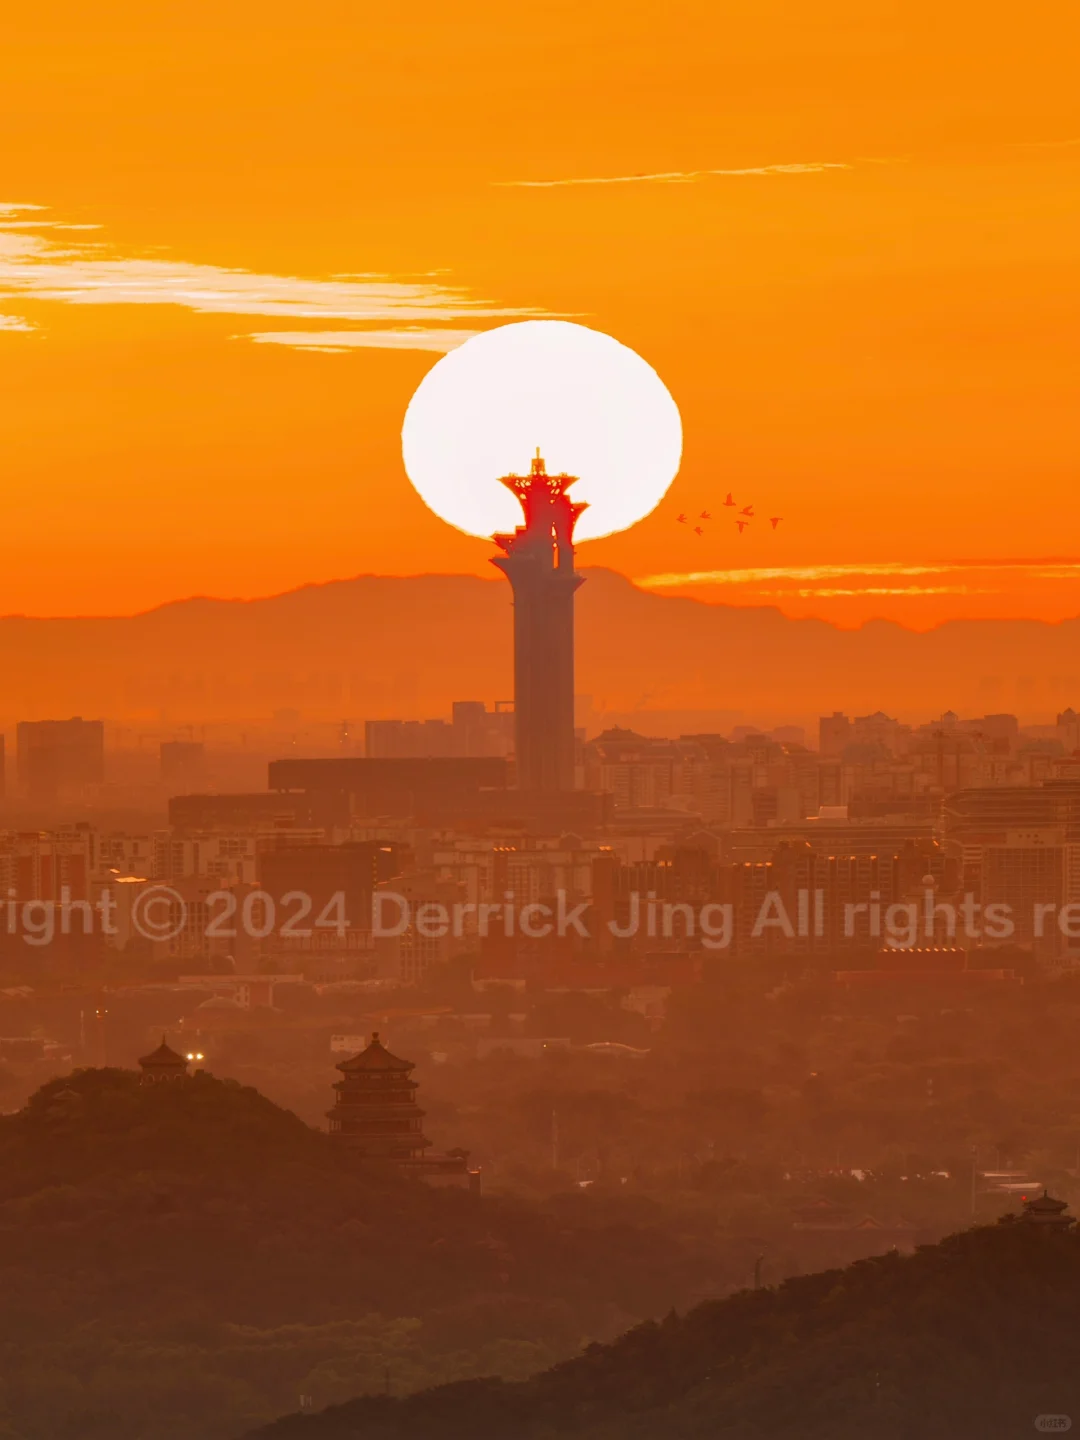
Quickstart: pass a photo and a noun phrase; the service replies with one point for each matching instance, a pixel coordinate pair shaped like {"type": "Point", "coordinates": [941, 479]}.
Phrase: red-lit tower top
{"type": "Point", "coordinates": [550, 514]}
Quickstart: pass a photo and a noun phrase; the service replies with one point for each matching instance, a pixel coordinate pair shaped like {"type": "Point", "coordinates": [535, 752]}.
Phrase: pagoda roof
{"type": "Point", "coordinates": [376, 1057]}
{"type": "Point", "coordinates": [1046, 1210]}
{"type": "Point", "coordinates": [163, 1055]}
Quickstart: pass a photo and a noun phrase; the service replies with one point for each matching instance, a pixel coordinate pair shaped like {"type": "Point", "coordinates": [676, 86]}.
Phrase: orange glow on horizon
{"type": "Point", "coordinates": [845, 238]}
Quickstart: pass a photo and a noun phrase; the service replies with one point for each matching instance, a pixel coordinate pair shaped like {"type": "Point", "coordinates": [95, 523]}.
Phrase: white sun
{"type": "Point", "coordinates": [593, 407]}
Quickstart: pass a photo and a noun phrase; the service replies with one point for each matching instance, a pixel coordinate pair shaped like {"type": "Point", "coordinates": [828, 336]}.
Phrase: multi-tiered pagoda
{"type": "Point", "coordinates": [377, 1118]}
{"type": "Point", "coordinates": [376, 1114]}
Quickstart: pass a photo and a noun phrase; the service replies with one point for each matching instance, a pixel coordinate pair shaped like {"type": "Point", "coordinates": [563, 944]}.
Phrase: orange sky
{"type": "Point", "coordinates": [884, 353]}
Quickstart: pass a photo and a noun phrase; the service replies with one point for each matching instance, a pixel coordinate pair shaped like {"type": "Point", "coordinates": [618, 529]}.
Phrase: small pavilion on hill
{"type": "Point", "coordinates": [1047, 1213]}
{"type": "Point", "coordinates": [377, 1118]}
{"type": "Point", "coordinates": [162, 1064]}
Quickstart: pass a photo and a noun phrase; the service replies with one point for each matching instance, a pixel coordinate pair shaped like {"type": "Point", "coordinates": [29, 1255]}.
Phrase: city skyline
{"type": "Point", "coordinates": [540, 720]}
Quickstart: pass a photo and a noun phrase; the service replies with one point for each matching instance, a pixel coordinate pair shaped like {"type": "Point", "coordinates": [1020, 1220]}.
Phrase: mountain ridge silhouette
{"type": "Point", "coordinates": [409, 645]}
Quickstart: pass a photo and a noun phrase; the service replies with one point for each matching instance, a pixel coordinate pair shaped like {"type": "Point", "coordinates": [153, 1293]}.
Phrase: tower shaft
{"type": "Point", "coordinates": [538, 560]}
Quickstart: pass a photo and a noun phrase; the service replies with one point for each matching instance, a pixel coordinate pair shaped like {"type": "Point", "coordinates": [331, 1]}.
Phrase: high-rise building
{"type": "Point", "coordinates": [834, 732]}
{"type": "Point", "coordinates": [322, 873]}
{"type": "Point", "coordinates": [433, 789]}
{"type": "Point", "coordinates": [473, 730]}
{"type": "Point", "coordinates": [58, 757]}
{"type": "Point", "coordinates": [480, 731]}
{"type": "Point", "coordinates": [407, 739]}
{"type": "Point", "coordinates": [538, 560]}
{"type": "Point", "coordinates": [47, 865]}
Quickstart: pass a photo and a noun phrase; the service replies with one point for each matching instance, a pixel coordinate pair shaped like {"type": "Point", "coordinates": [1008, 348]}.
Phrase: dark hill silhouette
{"type": "Point", "coordinates": [379, 645]}
{"type": "Point", "coordinates": [974, 1337]}
{"type": "Point", "coordinates": [188, 1259]}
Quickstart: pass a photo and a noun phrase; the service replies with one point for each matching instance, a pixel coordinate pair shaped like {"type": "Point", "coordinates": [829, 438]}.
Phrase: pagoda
{"type": "Point", "coordinates": [162, 1064]}
{"type": "Point", "coordinates": [1047, 1213]}
{"type": "Point", "coordinates": [375, 1113]}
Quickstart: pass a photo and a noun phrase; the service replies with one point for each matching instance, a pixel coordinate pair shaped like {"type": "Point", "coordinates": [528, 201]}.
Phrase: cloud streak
{"type": "Point", "coordinates": [338, 341]}
{"type": "Point", "coordinates": [678, 177]}
{"type": "Point", "coordinates": [1070, 144]}
{"type": "Point", "coordinates": [809, 580]}
{"type": "Point", "coordinates": [756, 575]}
{"type": "Point", "coordinates": [408, 314]}
{"type": "Point", "coordinates": [831, 592]}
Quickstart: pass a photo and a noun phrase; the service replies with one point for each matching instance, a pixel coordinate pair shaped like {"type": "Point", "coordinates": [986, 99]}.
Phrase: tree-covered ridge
{"type": "Point", "coordinates": [973, 1337]}
{"type": "Point", "coordinates": [188, 1259]}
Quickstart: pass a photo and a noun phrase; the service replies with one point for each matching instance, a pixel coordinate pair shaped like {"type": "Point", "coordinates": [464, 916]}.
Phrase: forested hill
{"type": "Point", "coordinates": [186, 1260]}
{"type": "Point", "coordinates": [970, 1339]}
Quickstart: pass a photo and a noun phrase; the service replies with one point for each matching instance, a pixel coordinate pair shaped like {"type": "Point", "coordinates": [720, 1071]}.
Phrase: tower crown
{"type": "Point", "coordinates": [550, 514]}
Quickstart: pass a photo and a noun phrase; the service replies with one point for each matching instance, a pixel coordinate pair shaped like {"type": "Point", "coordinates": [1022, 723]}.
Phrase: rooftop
{"type": "Point", "coordinates": [376, 1057]}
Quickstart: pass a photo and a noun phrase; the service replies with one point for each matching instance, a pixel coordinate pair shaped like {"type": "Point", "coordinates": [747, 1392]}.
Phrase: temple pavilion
{"type": "Point", "coordinates": [376, 1116]}
{"type": "Point", "coordinates": [375, 1113]}
{"type": "Point", "coordinates": [1047, 1213]}
{"type": "Point", "coordinates": [162, 1064]}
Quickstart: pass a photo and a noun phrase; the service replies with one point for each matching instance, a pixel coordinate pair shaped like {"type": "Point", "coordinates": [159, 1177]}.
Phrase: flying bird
{"type": "Point", "coordinates": [774, 520]}
{"type": "Point", "coordinates": [747, 510]}
{"type": "Point", "coordinates": [681, 520]}
{"type": "Point", "coordinates": [729, 500]}
{"type": "Point", "coordinates": [698, 530]}
{"type": "Point", "coordinates": [742, 524]}
{"type": "Point", "coordinates": [704, 515]}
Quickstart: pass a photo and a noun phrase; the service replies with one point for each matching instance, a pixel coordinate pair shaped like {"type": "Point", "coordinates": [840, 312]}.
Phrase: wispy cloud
{"type": "Point", "coordinates": [679, 177]}
{"type": "Point", "coordinates": [1070, 144]}
{"type": "Point", "coordinates": [757, 575]}
{"type": "Point", "coordinates": [337, 341]}
{"type": "Point", "coordinates": [809, 580]}
{"type": "Point", "coordinates": [831, 592]}
{"type": "Point", "coordinates": [36, 224]}
{"type": "Point", "coordinates": [408, 312]}
{"type": "Point", "coordinates": [15, 322]}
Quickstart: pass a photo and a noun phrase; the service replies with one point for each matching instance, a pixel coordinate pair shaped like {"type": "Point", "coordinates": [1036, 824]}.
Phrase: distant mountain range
{"type": "Point", "coordinates": [408, 646]}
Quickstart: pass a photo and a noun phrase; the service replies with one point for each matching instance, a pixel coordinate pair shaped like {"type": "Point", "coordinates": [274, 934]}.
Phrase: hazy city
{"type": "Point", "coordinates": [539, 721]}
{"type": "Point", "coordinates": [678, 1008]}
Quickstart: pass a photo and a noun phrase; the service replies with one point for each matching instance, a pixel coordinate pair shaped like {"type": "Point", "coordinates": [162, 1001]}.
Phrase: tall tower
{"type": "Point", "coordinates": [538, 560]}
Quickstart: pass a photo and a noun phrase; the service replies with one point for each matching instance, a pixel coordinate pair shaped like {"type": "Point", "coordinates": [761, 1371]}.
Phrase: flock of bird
{"type": "Point", "coordinates": [742, 517]}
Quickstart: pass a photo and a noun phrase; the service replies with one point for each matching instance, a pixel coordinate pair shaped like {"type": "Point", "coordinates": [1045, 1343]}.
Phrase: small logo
{"type": "Point", "coordinates": [1053, 1424]}
{"type": "Point", "coordinates": [158, 913]}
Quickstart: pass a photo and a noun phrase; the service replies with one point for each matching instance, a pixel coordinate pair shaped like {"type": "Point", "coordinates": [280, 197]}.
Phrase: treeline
{"type": "Point", "coordinates": [189, 1259]}
{"type": "Point", "coordinates": [973, 1337]}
